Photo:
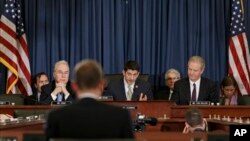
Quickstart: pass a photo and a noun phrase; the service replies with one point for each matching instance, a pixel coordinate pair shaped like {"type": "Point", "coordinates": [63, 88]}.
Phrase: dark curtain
{"type": "Point", "coordinates": [159, 34]}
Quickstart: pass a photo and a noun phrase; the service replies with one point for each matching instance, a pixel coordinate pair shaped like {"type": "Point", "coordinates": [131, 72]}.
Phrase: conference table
{"type": "Point", "coordinates": [170, 117]}
{"type": "Point", "coordinates": [158, 109]}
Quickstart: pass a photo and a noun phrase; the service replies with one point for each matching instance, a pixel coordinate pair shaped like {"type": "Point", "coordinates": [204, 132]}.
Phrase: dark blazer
{"type": "Point", "coordinates": [207, 91]}
{"type": "Point", "coordinates": [117, 90]}
{"type": "Point", "coordinates": [88, 119]}
{"type": "Point", "coordinates": [46, 98]}
{"type": "Point", "coordinates": [163, 94]}
{"type": "Point", "coordinates": [32, 100]}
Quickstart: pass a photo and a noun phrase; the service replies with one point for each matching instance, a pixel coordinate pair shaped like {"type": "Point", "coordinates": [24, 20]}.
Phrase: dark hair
{"type": "Point", "coordinates": [194, 117]}
{"type": "Point", "coordinates": [132, 65]}
{"type": "Point", "coordinates": [38, 75]}
{"type": "Point", "coordinates": [88, 74]}
{"type": "Point", "coordinates": [229, 81]}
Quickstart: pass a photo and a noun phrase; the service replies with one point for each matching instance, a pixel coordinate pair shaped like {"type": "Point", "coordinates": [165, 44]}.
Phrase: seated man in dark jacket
{"type": "Point", "coordinates": [166, 92]}
{"type": "Point", "coordinates": [129, 87]}
{"type": "Point", "coordinates": [60, 88]}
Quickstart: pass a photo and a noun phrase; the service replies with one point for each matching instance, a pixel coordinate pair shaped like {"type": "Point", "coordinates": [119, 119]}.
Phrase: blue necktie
{"type": "Point", "coordinates": [59, 97]}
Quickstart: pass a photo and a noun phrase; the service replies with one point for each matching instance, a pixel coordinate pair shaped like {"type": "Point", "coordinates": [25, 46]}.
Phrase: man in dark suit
{"type": "Point", "coordinates": [40, 79]}
{"type": "Point", "coordinates": [166, 92]}
{"type": "Point", "coordinates": [89, 118]}
{"type": "Point", "coordinates": [195, 87]}
{"type": "Point", "coordinates": [130, 88]}
{"type": "Point", "coordinates": [60, 88]}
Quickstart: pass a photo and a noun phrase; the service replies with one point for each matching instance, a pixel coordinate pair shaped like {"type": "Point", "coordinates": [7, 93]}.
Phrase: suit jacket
{"type": "Point", "coordinates": [117, 90]}
{"type": "Point", "coordinates": [32, 100]}
{"type": "Point", "coordinates": [207, 91]}
{"type": "Point", "coordinates": [46, 98]}
{"type": "Point", "coordinates": [88, 119]}
{"type": "Point", "coordinates": [163, 94]}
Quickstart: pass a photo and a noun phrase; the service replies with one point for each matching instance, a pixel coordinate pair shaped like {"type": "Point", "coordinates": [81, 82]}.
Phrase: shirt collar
{"type": "Point", "coordinates": [88, 95]}
{"type": "Point", "coordinates": [126, 84]}
{"type": "Point", "coordinates": [196, 82]}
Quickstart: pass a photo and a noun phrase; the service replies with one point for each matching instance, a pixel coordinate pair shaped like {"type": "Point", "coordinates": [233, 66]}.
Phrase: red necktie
{"type": "Point", "coordinates": [194, 93]}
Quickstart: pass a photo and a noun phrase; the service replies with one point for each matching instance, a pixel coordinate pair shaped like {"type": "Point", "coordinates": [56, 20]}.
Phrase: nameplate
{"type": "Point", "coordinates": [61, 103]}
{"type": "Point", "coordinates": [4, 103]}
{"type": "Point", "coordinates": [8, 139]}
{"type": "Point", "coordinates": [129, 107]}
{"type": "Point", "coordinates": [106, 98]}
{"type": "Point", "coordinates": [199, 103]}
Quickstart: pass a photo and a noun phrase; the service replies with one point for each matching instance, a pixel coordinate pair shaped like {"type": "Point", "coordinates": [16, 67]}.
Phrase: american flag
{"type": "Point", "coordinates": [239, 56]}
{"type": "Point", "coordinates": [14, 49]}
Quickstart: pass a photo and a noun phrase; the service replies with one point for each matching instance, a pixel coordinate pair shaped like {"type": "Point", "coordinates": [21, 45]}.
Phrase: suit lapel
{"type": "Point", "coordinates": [136, 93]}
{"type": "Point", "coordinates": [188, 90]}
{"type": "Point", "coordinates": [201, 91]}
{"type": "Point", "coordinates": [122, 88]}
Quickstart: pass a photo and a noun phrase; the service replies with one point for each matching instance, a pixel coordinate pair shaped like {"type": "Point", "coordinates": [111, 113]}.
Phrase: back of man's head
{"type": "Point", "coordinates": [88, 74]}
{"type": "Point", "coordinates": [194, 117]}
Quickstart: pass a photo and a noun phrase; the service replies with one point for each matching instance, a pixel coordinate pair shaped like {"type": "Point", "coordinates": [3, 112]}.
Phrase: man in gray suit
{"type": "Point", "coordinates": [195, 87]}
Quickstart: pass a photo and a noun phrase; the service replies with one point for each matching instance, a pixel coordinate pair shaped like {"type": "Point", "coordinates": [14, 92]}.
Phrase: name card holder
{"type": "Point", "coordinates": [4, 102]}
{"type": "Point", "coordinates": [199, 103]}
{"type": "Point", "coordinates": [61, 103]}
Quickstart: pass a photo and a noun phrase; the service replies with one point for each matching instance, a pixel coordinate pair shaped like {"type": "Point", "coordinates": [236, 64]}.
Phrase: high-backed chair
{"type": "Point", "coordinates": [113, 77]}
{"type": "Point", "coordinates": [244, 100]}
{"type": "Point", "coordinates": [17, 99]}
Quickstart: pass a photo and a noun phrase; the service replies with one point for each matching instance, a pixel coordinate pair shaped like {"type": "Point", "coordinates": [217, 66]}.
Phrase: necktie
{"type": "Point", "coordinates": [129, 93]}
{"type": "Point", "coordinates": [194, 93]}
{"type": "Point", "coordinates": [170, 95]}
{"type": "Point", "coordinates": [59, 97]}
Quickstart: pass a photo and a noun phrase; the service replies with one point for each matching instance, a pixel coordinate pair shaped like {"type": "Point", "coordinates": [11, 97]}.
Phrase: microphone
{"type": "Point", "coordinates": [151, 120]}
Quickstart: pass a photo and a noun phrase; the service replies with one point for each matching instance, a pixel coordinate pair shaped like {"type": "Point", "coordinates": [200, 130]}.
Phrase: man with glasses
{"type": "Point", "coordinates": [59, 89]}
{"type": "Point", "coordinates": [165, 93]}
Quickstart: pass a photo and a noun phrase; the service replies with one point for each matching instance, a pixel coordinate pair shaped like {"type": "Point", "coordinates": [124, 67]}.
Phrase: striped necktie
{"type": "Point", "coordinates": [129, 93]}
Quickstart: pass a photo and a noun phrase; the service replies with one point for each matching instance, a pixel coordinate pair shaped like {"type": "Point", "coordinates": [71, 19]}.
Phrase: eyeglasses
{"type": "Point", "coordinates": [172, 78]}
{"type": "Point", "coordinates": [62, 73]}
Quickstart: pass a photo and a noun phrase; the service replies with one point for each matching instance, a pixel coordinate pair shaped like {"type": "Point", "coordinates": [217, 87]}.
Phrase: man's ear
{"type": "Point", "coordinates": [36, 86]}
{"type": "Point", "coordinates": [102, 85]}
{"type": "Point", "coordinates": [123, 72]}
{"type": "Point", "coordinates": [74, 86]}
